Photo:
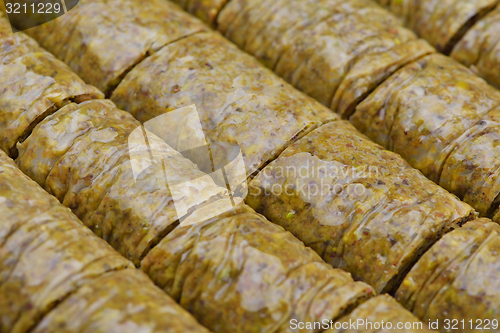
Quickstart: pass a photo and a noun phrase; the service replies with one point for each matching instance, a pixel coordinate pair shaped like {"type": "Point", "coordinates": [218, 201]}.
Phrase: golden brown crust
{"type": "Point", "coordinates": [102, 170]}
{"type": "Point", "coordinates": [242, 273]}
{"type": "Point", "coordinates": [362, 208]}
{"type": "Point", "coordinates": [45, 251]}
{"type": "Point", "coordinates": [128, 32]}
{"type": "Point", "coordinates": [381, 314]}
{"type": "Point", "coordinates": [244, 23]}
{"type": "Point", "coordinates": [238, 101]}
{"type": "Point", "coordinates": [33, 84]}
{"type": "Point", "coordinates": [440, 22]}
{"type": "Point", "coordinates": [421, 110]}
{"type": "Point", "coordinates": [237, 18]}
{"type": "Point", "coordinates": [479, 48]}
{"type": "Point", "coordinates": [125, 301]}
{"type": "Point", "coordinates": [472, 170]}
{"type": "Point", "coordinates": [371, 70]}
{"type": "Point", "coordinates": [441, 118]}
{"type": "Point", "coordinates": [458, 278]}
{"type": "Point", "coordinates": [334, 51]}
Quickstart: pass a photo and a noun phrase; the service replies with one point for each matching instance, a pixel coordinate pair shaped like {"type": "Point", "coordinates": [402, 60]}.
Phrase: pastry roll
{"type": "Point", "coordinates": [360, 207]}
{"type": "Point", "coordinates": [128, 31]}
{"type": "Point", "coordinates": [242, 273]}
{"type": "Point", "coordinates": [458, 278]}
{"type": "Point", "coordinates": [130, 192]}
{"type": "Point", "coordinates": [57, 276]}
{"type": "Point", "coordinates": [334, 51]}
{"type": "Point", "coordinates": [425, 112]}
{"type": "Point", "coordinates": [34, 84]}
{"type": "Point", "coordinates": [45, 251]}
{"type": "Point", "coordinates": [441, 23]}
{"type": "Point", "coordinates": [472, 170]}
{"type": "Point", "coordinates": [124, 301]}
{"type": "Point", "coordinates": [479, 49]}
{"type": "Point", "coordinates": [237, 101]}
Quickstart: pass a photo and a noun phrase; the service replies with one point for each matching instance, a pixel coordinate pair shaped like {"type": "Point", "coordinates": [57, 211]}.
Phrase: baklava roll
{"type": "Point", "coordinates": [101, 40]}
{"type": "Point", "coordinates": [479, 49]}
{"type": "Point", "coordinates": [237, 101]}
{"type": "Point", "coordinates": [57, 276]}
{"type": "Point", "coordinates": [458, 280]}
{"type": "Point", "coordinates": [124, 301]}
{"type": "Point", "coordinates": [425, 112]}
{"type": "Point", "coordinates": [441, 22]}
{"type": "Point", "coordinates": [242, 273]}
{"type": "Point", "coordinates": [335, 51]}
{"type": "Point", "coordinates": [33, 84]}
{"type": "Point", "coordinates": [360, 207]}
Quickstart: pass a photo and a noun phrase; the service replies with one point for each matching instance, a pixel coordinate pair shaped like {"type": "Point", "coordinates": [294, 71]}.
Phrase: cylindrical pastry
{"type": "Point", "coordinates": [101, 40]}
{"type": "Point", "coordinates": [472, 170]}
{"type": "Point", "coordinates": [243, 273]}
{"type": "Point", "coordinates": [33, 84]}
{"type": "Point", "coordinates": [458, 279]}
{"type": "Point", "coordinates": [441, 22]}
{"type": "Point", "coordinates": [335, 51]}
{"type": "Point", "coordinates": [49, 261]}
{"type": "Point", "coordinates": [125, 301]}
{"type": "Point", "coordinates": [45, 251]}
{"type": "Point", "coordinates": [424, 112]}
{"type": "Point", "coordinates": [479, 49]}
{"type": "Point", "coordinates": [360, 207]}
{"type": "Point", "coordinates": [95, 160]}
{"type": "Point", "coordinates": [237, 100]}
{"type": "Point", "coordinates": [381, 314]}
